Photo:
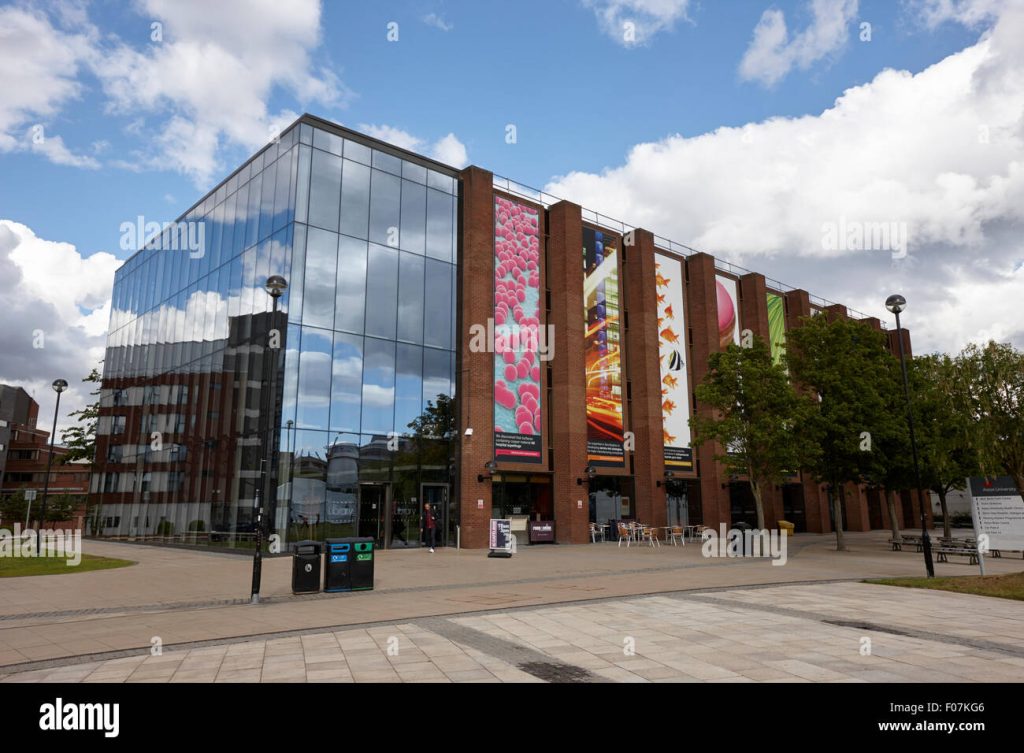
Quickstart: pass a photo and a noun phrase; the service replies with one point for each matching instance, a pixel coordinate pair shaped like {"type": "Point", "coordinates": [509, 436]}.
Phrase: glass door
{"type": "Point", "coordinates": [373, 520]}
{"type": "Point", "coordinates": [444, 509]}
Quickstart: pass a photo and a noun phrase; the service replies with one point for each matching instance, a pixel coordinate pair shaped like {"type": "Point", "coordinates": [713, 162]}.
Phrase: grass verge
{"type": "Point", "coordinates": [1009, 586]}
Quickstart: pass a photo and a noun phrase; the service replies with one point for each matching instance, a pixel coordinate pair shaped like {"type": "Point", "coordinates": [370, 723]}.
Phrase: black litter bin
{"type": "Point", "coordinates": [306, 568]}
{"type": "Point", "coordinates": [362, 564]}
{"type": "Point", "coordinates": [338, 565]}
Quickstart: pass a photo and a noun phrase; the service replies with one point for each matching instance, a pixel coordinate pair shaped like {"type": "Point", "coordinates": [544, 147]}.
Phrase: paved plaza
{"type": "Point", "coordinates": [592, 613]}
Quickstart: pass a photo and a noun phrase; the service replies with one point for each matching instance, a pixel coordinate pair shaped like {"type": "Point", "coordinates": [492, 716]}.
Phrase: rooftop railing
{"type": "Point", "coordinates": [546, 200]}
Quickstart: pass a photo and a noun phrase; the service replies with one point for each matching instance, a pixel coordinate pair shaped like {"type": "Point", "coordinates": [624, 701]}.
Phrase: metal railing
{"type": "Point", "coordinates": [546, 200]}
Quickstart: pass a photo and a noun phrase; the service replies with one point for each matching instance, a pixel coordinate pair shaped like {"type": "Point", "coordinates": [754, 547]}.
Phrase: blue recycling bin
{"type": "Point", "coordinates": [338, 558]}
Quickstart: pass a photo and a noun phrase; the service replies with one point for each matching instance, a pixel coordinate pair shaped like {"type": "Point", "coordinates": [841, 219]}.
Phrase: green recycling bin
{"type": "Point", "coordinates": [361, 566]}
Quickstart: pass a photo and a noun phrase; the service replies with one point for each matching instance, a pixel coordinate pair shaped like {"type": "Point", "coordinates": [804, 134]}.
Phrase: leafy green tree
{"type": "Point", "coordinates": [61, 508]}
{"type": "Point", "coordinates": [989, 388]}
{"type": "Point", "coordinates": [891, 463]}
{"type": "Point", "coordinates": [844, 364]}
{"type": "Point", "coordinates": [755, 414]}
{"type": "Point", "coordinates": [942, 429]}
{"type": "Point", "coordinates": [13, 508]}
{"type": "Point", "coordinates": [81, 438]}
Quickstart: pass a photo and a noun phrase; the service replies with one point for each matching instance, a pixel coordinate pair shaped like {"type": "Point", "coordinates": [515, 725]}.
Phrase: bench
{"type": "Point", "coordinates": [942, 553]}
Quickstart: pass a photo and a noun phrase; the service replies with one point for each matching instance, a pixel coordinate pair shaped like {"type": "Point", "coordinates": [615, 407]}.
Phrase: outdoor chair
{"type": "Point", "coordinates": [676, 535]}
{"type": "Point", "coordinates": [625, 534]}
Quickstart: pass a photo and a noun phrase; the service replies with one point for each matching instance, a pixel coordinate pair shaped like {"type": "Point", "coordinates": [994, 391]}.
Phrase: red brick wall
{"type": "Point", "coordinates": [702, 311]}
{"type": "Point", "coordinates": [642, 352]}
{"type": "Point", "coordinates": [568, 403]}
{"type": "Point", "coordinates": [475, 371]}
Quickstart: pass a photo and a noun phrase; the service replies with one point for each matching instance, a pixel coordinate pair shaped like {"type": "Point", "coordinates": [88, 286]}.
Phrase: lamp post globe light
{"type": "Point", "coordinates": [59, 385]}
{"type": "Point", "coordinates": [275, 286]}
{"type": "Point", "coordinates": [896, 305]}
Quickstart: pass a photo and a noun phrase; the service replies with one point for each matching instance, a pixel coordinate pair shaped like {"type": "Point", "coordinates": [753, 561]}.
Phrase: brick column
{"type": "Point", "coordinates": [816, 513]}
{"type": "Point", "coordinates": [702, 310]}
{"type": "Point", "coordinates": [475, 371]}
{"type": "Point", "coordinates": [568, 372]}
{"type": "Point", "coordinates": [645, 377]}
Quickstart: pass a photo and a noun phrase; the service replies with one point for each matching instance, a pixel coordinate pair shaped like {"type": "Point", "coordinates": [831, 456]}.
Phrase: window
{"type": "Point", "coordinates": [24, 454]}
{"type": "Point", "coordinates": [110, 482]}
{"type": "Point", "coordinates": [118, 424]}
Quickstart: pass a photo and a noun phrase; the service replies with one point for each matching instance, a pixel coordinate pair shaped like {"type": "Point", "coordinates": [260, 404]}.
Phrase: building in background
{"type": "Point", "coordinates": [447, 337]}
{"type": "Point", "coordinates": [24, 455]}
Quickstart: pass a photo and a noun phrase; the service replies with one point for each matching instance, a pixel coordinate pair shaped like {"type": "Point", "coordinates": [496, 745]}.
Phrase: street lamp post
{"type": "Point", "coordinates": [275, 287]}
{"type": "Point", "coordinates": [59, 385]}
{"type": "Point", "coordinates": [896, 304]}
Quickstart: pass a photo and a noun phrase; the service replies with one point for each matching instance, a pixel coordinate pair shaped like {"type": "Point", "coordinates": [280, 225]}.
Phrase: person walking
{"type": "Point", "coordinates": [429, 527]}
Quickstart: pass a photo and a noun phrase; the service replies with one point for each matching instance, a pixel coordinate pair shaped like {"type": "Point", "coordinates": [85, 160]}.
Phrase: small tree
{"type": "Point", "coordinates": [755, 412]}
{"type": "Point", "coordinates": [13, 508]}
{"type": "Point", "coordinates": [989, 388]}
{"type": "Point", "coordinates": [842, 362]}
{"type": "Point", "coordinates": [890, 465]}
{"type": "Point", "coordinates": [942, 428]}
{"type": "Point", "coordinates": [61, 508]}
{"type": "Point", "coordinates": [81, 438]}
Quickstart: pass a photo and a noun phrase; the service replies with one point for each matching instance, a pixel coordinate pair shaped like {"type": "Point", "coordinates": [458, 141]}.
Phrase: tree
{"type": "Point", "coordinates": [891, 464]}
{"type": "Point", "coordinates": [61, 508]}
{"type": "Point", "coordinates": [81, 439]}
{"type": "Point", "coordinates": [755, 413]}
{"type": "Point", "coordinates": [989, 388]}
{"type": "Point", "coordinates": [844, 364]}
{"type": "Point", "coordinates": [13, 508]}
{"type": "Point", "coordinates": [438, 419]}
{"type": "Point", "coordinates": [944, 448]}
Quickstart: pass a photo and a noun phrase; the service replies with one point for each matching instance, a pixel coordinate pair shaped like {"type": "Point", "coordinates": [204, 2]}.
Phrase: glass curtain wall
{"type": "Point", "coordinates": [351, 380]}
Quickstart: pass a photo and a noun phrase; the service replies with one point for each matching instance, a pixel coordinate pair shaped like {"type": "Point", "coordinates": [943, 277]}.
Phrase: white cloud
{"type": "Point", "coordinates": [53, 148]}
{"type": "Point", "coordinates": [39, 65]}
{"type": "Point", "coordinates": [390, 134]}
{"type": "Point", "coordinates": [433, 19]}
{"type": "Point", "coordinates": [448, 150]}
{"type": "Point", "coordinates": [634, 22]}
{"type": "Point", "coordinates": [208, 81]}
{"type": "Point", "coordinates": [56, 309]}
{"type": "Point", "coordinates": [772, 54]}
{"type": "Point", "coordinates": [970, 13]}
{"type": "Point", "coordinates": [942, 151]}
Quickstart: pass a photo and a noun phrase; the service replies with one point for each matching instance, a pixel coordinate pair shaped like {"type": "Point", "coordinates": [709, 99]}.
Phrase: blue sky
{"type": "Point", "coordinates": [578, 97]}
{"type": "Point", "coordinates": [746, 128]}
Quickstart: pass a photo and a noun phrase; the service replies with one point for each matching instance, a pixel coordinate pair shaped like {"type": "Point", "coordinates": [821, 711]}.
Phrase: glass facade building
{"type": "Point", "coordinates": [335, 407]}
{"type": "Point", "coordinates": [445, 335]}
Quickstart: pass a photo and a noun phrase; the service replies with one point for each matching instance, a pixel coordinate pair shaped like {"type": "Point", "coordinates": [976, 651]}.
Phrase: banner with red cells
{"type": "Point", "coordinates": [602, 352]}
{"type": "Point", "coordinates": [517, 395]}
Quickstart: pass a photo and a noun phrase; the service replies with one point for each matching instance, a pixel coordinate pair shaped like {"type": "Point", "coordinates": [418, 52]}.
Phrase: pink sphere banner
{"type": "Point", "coordinates": [517, 384]}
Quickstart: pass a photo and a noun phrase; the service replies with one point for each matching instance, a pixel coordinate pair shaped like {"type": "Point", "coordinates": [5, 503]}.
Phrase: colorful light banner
{"type": "Point", "coordinates": [602, 349]}
{"type": "Point", "coordinates": [728, 311]}
{"type": "Point", "coordinates": [517, 393]}
{"type": "Point", "coordinates": [776, 326]}
{"type": "Point", "coordinates": [675, 392]}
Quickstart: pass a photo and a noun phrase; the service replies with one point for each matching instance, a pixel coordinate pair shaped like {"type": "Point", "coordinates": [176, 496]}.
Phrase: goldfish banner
{"type": "Point", "coordinates": [675, 393]}
{"type": "Point", "coordinates": [517, 398]}
{"type": "Point", "coordinates": [602, 352]}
